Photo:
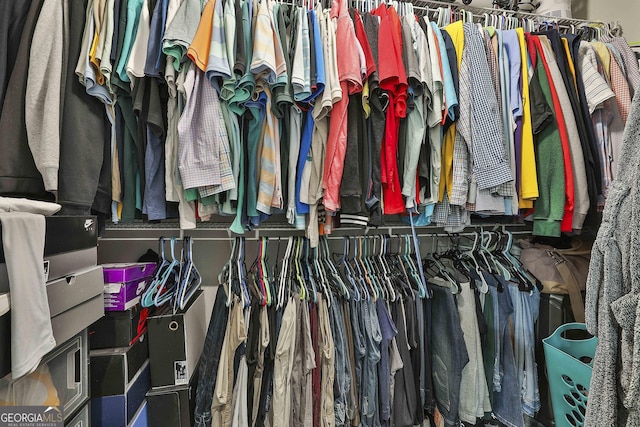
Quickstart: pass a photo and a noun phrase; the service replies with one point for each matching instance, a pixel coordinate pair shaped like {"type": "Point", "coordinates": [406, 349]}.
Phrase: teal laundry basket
{"type": "Point", "coordinates": [569, 367]}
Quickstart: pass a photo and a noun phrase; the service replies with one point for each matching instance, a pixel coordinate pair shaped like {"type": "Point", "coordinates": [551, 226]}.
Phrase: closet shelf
{"type": "Point", "coordinates": [220, 231]}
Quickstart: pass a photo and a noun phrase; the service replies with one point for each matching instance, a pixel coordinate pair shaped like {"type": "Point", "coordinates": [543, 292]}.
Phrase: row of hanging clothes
{"type": "Point", "coordinates": [328, 114]}
{"type": "Point", "coordinates": [368, 336]}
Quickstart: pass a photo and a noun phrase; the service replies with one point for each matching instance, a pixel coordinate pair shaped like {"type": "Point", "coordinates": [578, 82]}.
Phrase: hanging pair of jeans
{"type": "Point", "coordinates": [448, 353]}
{"type": "Point", "coordinates": [210, 359]}
{"type": "Point", "coordinates": [526, 308]}
{"type": "Point", "coordinates": [370, 326]}
{"type": "Point", "coordinates": [342, 383]}
{"type": "Point", "coordinates": [505, 385]}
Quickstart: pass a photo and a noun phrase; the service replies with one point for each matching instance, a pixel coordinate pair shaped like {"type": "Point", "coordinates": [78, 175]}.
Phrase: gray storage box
{"type": "Point", "coordinates": [67, 292]}
{"type": "Point", "coordinates": [69, 323]}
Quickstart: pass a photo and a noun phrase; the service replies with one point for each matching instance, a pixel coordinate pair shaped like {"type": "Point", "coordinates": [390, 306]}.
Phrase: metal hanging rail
{"type": "Point", "coordinates": [479, 12]}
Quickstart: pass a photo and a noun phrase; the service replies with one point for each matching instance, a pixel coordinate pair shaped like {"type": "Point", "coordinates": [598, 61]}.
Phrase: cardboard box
{"type": "Point", "coordinates": [124, 284]}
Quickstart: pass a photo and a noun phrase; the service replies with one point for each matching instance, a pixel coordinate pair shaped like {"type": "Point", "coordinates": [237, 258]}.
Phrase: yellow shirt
{"type": "Point", "coordinates": [456, 31]}
{"type": "Point", "coordinates": [605, 57]}
{"type": "Point", "coordinates": [528, 175]}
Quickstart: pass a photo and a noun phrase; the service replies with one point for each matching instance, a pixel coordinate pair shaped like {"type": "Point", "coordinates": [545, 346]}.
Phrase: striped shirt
{"type": "Point", "coordinates": [218, 64]}
{"type": "Point", "coordinates": [596, 88]}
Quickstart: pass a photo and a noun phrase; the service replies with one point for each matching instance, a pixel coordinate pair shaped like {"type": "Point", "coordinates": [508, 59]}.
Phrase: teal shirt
{"type": "Point", "coordinates": [134, 8]}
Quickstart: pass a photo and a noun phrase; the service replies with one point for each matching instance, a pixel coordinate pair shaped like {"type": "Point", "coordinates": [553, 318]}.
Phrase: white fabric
{"type": "Point", "coordinates": [31, 333]}
{"type": "Point", "coordinates": [10, 204]}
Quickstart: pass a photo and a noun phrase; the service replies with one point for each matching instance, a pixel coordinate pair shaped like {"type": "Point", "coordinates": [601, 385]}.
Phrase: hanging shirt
{"type": "Point", "coordinates": [581, 192]}
{"type": "Point", "coordinates": [199, 49]}
{"type": "Point", "coordinates": [301, 73]}
{"type": "Point", "coordinates": [203, 149]}
{"type": "Point", "coordinates": [528, 189]}
{"type": "Point", "coordinates": [549, 208]}
{"type": "Point", "coordinates": [393, 79]}
{"type": "Point", "coordinates": [218, 64]}
{"type": "Point", "coordinates": [155, 60]}
{"type": "Point", "coordinates": [134, 8]}
{"type": "Point", "coordinates": [349, 76]}
{"type": "Point", "coordinates": [181, 28]}
{"type": "Point", "coordinates": [566, 225]}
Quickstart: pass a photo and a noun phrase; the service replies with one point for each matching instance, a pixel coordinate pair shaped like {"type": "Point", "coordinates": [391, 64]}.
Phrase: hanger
{"type": "Point", "coordinates": [170, 279]}
{"type": "Point", "coordinates": [335, 275]}
{"type": "Point", "coordinates": [265, 270]}
{"type": "Point", "coordinates": [386, 270]}
{"type": "Point", "coordinates": [307, 248]}
{"type": "Point", "coordinates": [359, 273]}
{"type": "Point", "coordinates": [257, 271]}
{"type": "Point", "coordinates": [372, 283]}
{"type": "Point", "coordinates": [350, 272]}
{"type": "Point", "coordinates": [147, 297]}
{"type": "Point", "coordinates": [191, 278]}
{"type": "Point", "coordinates": [282, 283]}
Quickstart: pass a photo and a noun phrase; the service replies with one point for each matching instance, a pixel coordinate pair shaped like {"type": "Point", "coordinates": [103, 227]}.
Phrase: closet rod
{"type": "Point", "coordinates": [478, 12]}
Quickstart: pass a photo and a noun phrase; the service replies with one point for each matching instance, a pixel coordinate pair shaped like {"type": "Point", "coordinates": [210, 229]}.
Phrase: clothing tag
{"type": "Point", "coordinates": [46, 271]}
{"type": "Point", "coordinates": [181, 373]}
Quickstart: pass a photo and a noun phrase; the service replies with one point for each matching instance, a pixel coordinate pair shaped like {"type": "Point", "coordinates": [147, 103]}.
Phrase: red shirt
{"type": "Point", "coordinates": [567, 220]}
{"type": "Point", "coordinates": [361, 35]}
{"type": "Point", "coordinates": [350, 83]}
{"type": "Point", "coordinates": [393, 79]}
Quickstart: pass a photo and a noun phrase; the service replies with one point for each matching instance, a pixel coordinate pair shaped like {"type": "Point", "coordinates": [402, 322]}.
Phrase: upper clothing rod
{"type": "Point", "coordinates": [427, 6]}
{"type": "Point", "coordinates": [480, 11]}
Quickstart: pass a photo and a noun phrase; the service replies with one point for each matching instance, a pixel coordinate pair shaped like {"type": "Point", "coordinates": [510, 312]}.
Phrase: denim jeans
{"type": "Point", "coordinates": [506, 408]}
{"type": "Point", "coordinates": [526, 307]}
{"type": "Point", "coordinates": [370, 326]}
{"type": "Point", "coordinates": [388, 331]}
{"type": "Point", "coordinates": [359, 343]}
{"type": "Point", "coordinates": [342, 383]}
{"type": "Point", "coordinates": [449, 353]}
{"type": "Point", "coordinates": [210, 359]}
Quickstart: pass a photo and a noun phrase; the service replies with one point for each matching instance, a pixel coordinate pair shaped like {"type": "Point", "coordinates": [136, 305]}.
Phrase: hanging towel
{"type": "Point", "coordinates": [31, 332]}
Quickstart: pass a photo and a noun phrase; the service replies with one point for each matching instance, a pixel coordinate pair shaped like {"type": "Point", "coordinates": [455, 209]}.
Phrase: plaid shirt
{"type": "Point", "coordinates": [621, 88]}
{"type": "Point", "coordinates": [203, 148]}
{"type": "Point", "coordinates": [490, 165]}
{"type": "Point", "coordinates": [630, 61]}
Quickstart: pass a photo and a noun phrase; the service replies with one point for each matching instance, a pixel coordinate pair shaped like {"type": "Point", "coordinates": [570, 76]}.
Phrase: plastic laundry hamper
{"type": "Point", "coordinates": [569, 370]}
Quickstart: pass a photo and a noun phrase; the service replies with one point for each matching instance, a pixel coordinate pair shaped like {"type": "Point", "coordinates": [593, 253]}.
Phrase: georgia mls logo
{"type": "Point", "coordinates": [31, 416]}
